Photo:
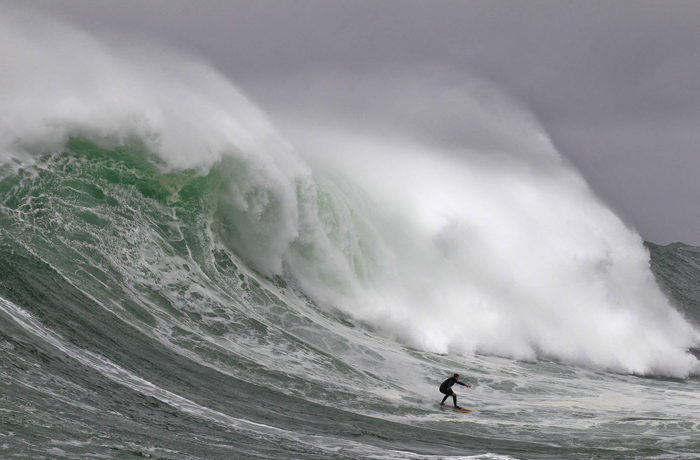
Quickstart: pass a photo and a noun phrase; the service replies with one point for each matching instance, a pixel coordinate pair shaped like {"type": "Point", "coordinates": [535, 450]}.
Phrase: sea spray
{"type": "Point", "coordinates": [484, 238]}
{"type": "Point", "coordinates": [502, 259]}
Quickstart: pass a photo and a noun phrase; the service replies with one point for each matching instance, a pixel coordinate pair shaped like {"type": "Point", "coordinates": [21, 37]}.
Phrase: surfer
{"type": "Point", "coordinates": [446, 389]}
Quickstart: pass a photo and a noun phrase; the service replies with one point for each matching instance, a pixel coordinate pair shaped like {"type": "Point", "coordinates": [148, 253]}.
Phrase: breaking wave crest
{"type": "Point", "coordinates": [153, 176]}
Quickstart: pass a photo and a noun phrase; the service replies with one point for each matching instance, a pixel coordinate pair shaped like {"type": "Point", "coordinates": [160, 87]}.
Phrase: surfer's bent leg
{"type": "Point", "coordinates": [447, 394]}
{"type": "Point", "coordinates": [443, 399]}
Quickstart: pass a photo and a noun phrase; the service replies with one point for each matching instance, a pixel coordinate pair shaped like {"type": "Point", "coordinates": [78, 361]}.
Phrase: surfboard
{"type": "Point", "coordinates": [462, 410]}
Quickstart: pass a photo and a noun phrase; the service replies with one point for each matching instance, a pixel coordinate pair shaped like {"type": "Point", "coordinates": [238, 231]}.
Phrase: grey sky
{"type": "Point", "coordinates": [616, 84]}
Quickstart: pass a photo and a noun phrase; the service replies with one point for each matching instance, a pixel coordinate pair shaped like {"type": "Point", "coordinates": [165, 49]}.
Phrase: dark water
{"type": "Point", "coordinates": [677, 270]}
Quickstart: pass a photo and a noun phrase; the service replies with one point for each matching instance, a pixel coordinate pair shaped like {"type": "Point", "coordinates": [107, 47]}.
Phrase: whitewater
{"type": "Point", "coordinates": [181, 280]}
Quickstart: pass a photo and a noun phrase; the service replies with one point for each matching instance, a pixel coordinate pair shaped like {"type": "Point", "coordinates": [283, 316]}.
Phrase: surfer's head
{"type": "Point", "coordinates": [456, 376]}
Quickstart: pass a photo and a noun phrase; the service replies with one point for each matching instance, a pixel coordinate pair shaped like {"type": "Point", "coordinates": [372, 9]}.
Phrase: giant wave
{"type": "Point", "coordinates": [498, 247]}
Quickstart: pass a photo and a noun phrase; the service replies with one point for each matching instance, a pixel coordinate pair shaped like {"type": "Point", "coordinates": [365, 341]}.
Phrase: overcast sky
{"type": "Point", "coordinates": [616, 84]}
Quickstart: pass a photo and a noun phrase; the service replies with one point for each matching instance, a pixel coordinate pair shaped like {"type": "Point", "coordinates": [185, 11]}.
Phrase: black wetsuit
{"type": "Point", "coordinates": [446, 389]}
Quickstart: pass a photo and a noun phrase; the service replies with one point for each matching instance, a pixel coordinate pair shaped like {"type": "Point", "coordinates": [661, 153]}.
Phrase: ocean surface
{"type": "Point", "coordinates": [179, 281]}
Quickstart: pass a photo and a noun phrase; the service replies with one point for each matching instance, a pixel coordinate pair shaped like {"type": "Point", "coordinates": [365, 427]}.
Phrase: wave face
{"type": "Point", "coordinates": [170, 262]}
{"type": "Point", "coordinates": [677, 268]}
